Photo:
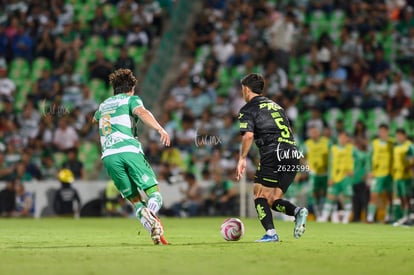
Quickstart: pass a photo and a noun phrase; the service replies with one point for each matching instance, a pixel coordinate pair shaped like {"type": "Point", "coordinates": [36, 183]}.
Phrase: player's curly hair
{"type": "Point", "coordinates": [122, 80]}
{"type": "Point", "coordinates": [255, 82]}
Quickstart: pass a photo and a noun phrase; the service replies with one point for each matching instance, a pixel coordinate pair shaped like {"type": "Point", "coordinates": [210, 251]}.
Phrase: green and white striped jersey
{"type": "Point", "coordinates": [115, 117]}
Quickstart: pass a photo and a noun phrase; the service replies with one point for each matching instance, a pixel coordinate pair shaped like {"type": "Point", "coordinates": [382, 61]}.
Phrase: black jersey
{"type": "Point", "coordinates": [267, 120]}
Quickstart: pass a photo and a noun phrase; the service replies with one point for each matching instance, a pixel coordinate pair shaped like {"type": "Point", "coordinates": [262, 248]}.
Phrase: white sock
{"type": "Point", "coordinates": [271, 232]}
{"type": "Point", "coordinates": [154, 202]}
{"type": "Point", "coordinates": [146, 224]}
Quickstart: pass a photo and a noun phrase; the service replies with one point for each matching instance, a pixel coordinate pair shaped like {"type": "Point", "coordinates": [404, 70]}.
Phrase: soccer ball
{"type": "Point", "coordinates": [232, 229]}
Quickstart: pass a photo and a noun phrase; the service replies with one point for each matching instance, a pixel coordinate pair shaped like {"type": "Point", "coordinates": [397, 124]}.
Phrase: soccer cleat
{"type": "Point", "coordinates": [156, 226]}
{"type": "Point", "coordinates": [163, 240]}
{"type": "Point", "coordinates": [267, 239]}
{"type": "Point", "coordinates": [300, 222]}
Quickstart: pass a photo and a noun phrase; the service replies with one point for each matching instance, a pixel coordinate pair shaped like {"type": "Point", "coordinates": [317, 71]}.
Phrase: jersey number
{"type": "Point", "coordinates": [285, 130]}
{"type": "Point", "coordinates": [106, 125]}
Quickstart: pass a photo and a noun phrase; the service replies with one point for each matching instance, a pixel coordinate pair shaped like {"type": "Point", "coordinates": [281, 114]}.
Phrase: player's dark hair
{"type": "Point", "coordinates": [384, 126]}
{"type": "Point", "coordinates": [122, 80]}
{"type": "Point", "coordinates": [255, 82]}
{"type": "Point", "coordinates": [401, 131]}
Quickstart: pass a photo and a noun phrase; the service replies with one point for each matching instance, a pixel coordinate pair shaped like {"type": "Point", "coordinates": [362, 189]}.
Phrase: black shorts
{"type": "Point", "coordinates": [275, 170]}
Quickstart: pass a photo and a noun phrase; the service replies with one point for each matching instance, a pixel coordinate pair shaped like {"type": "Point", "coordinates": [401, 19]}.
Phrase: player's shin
{"type": "Point", "coordinates": [265, 215]}
{"type": "Point", "coordinates": [138, 209]}
{"type": "Point", "coordinates": [285, 207]}
{"type": "Point", "coordinates": [154, 199]}
{"type": "Point", "coordinates": [326, 211]}
{"type": "Point", "coordinates": [347, 211]}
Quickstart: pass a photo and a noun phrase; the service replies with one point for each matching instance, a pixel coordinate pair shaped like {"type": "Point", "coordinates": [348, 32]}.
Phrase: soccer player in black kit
{"type": "Point", "coordinates": [264, 122]}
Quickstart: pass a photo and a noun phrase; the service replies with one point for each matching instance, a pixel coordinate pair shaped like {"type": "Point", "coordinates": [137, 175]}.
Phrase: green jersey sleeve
{"type": "Point", "coordinates": [134, 102]}
{"type": "Point", "coordinates": [97, 115]}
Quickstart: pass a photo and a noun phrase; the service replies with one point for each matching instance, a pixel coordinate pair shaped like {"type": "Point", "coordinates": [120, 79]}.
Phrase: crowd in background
{"type": "Point", "coordinates": [335, 65]}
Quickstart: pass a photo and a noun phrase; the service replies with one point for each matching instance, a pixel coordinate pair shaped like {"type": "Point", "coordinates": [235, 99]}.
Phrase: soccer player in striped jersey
{"type": "Point", "coordinates": [122, 154]}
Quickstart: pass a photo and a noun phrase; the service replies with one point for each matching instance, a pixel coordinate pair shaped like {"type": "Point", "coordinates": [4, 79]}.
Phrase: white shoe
{"type": "Point", "coordinates": [156, 226]}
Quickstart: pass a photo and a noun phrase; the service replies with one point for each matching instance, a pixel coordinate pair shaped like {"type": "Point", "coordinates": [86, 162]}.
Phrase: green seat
{"type": "Point", "coordinates": [137, 53]}
{"type": "Point", "coordinates": [332, 115]}
{"type": "Point", "coordinates": [112, 53]}
{"type": "Point", "coordinates": [116, 40]}
{"type": "Point", "coordinates": [109, 11]}
{"type": "Point", "coordinates": [351, 117]}
{"type": "Point", "coordinates": [95, 42]}
{"type": "Point", "coordinates": [98, 89]}
{"type": "Point", "coordinates": [19, 69]}
{"type": "Point", "coordinates": [59, 158]}
{"type": "Point", "coordinates": [24, 88]}
{"type": "Point", "coordinates": [88, 155]}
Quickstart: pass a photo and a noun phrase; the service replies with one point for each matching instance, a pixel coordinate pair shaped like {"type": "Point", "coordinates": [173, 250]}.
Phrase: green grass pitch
{"type": "Point", "coordinates": [121, 246]}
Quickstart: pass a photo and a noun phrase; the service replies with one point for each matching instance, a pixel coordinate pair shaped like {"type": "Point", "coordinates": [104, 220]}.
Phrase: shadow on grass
{"type": "Point", "coordinates": [125, 245]}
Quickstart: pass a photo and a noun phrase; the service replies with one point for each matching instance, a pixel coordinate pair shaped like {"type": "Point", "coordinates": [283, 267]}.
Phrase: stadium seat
{"type": "Point", "coordinates": [19, 69]}
{"type": "Point", "coordinates": [137, 53]}
{"type": "Point", "coordinates": [24, 87]}
{"type": "Point", "coordinates": [39, 64]}
{"type": "Point", "coordinates": [95, 42]}
{"type": "Point", "coordinates": [116, 40]}
{"type": "Point", "coordinates": [88, 155]}
{"type": "Point", "coordinates": [332, 115]}
{"type": "Point", "coordinates": [98, 89]}
{"type": "Point", "coordinates": [112, 53]}
{"type": "Point", "coordinates": [109, 11]}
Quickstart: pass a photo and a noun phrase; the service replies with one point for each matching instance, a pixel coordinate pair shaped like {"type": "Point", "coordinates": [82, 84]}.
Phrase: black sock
{"type": "Point", "coordinates": [284, 206]}
{"type": "Point", "coordinates": [264, 213]}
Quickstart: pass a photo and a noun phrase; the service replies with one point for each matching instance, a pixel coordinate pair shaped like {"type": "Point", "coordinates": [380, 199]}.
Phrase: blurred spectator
{"type": "Point", "coordinates": [73, 164]}
{"type": "Point", "coordinates": [124, 61]}
{"type": "Point", "coordinates": [68, 43]}
{"type": "Point", "coordinates": [23, 44]}
{"type": "Point", "coordinates": [304, 41]}
{"type": "Point", "coordinates": [379, 64]}
{"type": "Point", "coordinates": [87, 104]}
{"type": "Point", "coordinates": [222, 198]}
{"type": "Point", "coordinates": [48, 168]}
{"type": "Point", "coordinates": [47, 86]}
{"type": "Point", "coordinates": [276, 77]}
{"type": "Point", "coordinates": [7, 86]}
{"type": "Point", "coordinates": [202, 33]}
{"type": "Point", "coordinates": [66, 201]}
{"type": "Point", "coordinates": [71, 86]}
{"type": "Point", "coordinates": [100, 25]}
{"type": "Point", "coordinates": [100, 67]}
{"type": "Point", "coordinates": [65, 136]}
{"type": "Point", "coordinates": [115, 205]}
{"type": "Point", "coordinates": [122, 20]}
{"type": "Point", "coordinates": [31, 170]}
{"type": "Point", "coordinates": [223, 49]}
{"type": "Point", "coordinates": [137, 37]}
{"type": "Point", "coordinates": [8, 199]}
{"type": "Point", "coordinates": [281, 33]}
{"type": "Point", "coordinates": [191, 203]}
{"type": "Point", "coordinates": [24, 202]}
{"type": "Point", "coordinates": [8, 113]}
{"type": "Point", "coordinates": [198, 101]}
{"type": "Point", "coordinates": [4, 42]}
{"type": "Point", "coordinates": [376, 92]}
{"type": "Point", "coordinates": [28, 121]}
{"type": "Point", "coordinates": [6, 170]}
{"type": "Point", "coordinates": [45, 45]}
{"type": "Point", "coordinates": [186, 136]}
{"type": "Point", "coordinates": [407, 22]}
{"type": "Point", "coordinates": [398, 104]}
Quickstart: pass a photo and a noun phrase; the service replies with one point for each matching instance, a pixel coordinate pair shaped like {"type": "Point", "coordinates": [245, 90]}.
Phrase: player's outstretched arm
{"type": "Point", "coordinates": [148, 118]}
{"type": "Point", "coordinates": [247, 141]}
